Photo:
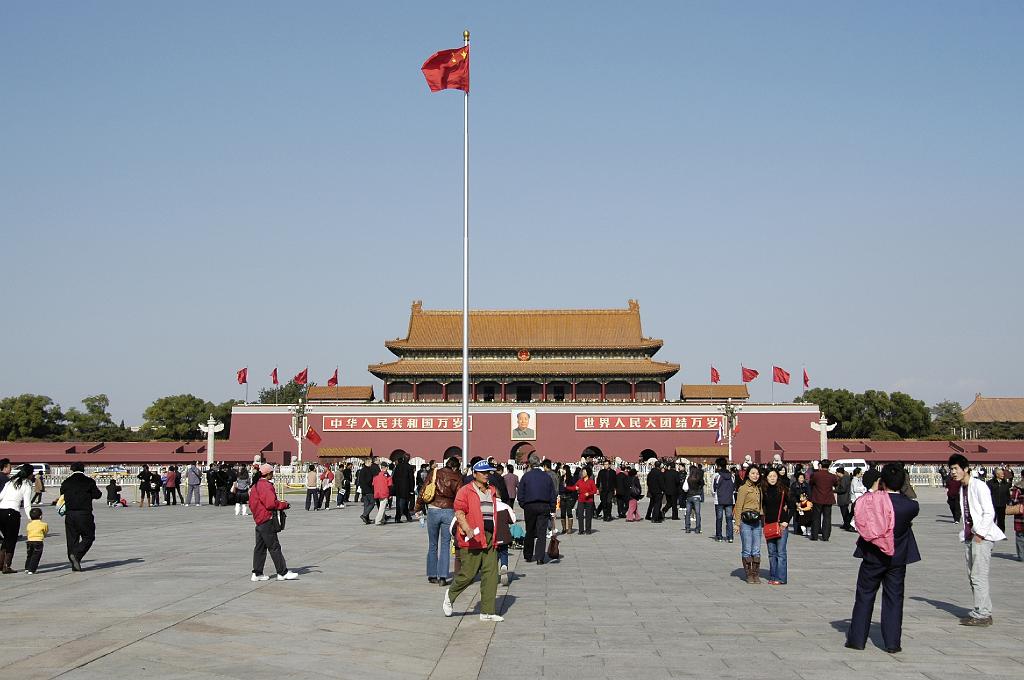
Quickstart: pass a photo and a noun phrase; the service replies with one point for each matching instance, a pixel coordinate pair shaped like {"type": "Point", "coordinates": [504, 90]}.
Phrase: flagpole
{"type": "Point", "coordinates": [465, 271]}
{"type": "Point", "coordinates": [773, 383]}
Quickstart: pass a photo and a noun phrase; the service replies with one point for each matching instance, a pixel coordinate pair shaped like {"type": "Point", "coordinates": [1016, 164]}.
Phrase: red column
{"type": "Point", "coordinates": [387, 391]}
{"type": "Point", "coordinates": [415, 391]}
{"type": "Point", "coordinates": [663, 391]}
{"type": "Point", "coordinates": [604, 391]}
{"type": "Point", "coordinates": [473, 388]}
{"type": "Point", "coordinates": [632, 390]}
{"type": "Point", "coordinates": [543, 391]}
{"type": "Point", "coordinates": [503, 386]}
{"type": "Point", "coordinates": [574, 391]}
{"type": "Point", "coordinates": [444, 391]}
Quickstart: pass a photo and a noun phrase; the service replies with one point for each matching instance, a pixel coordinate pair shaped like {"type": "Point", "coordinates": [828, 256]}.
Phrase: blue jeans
{"type": "Point", "coordinates": [726, 511]}
{"type": "Point", "coordinates": [750, 538]}
{"type": "Point", "coordinates": [778, 561]}
{"type": "Point", "coordinates": [502, 555]}
{"type": "Point", "coordinates": [692, 503]}
{"type": "Point", "coordinates": [439, 539]}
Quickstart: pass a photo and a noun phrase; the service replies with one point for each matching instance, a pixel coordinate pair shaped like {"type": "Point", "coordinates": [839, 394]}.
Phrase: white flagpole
{"type": "Point", "coordinates": [465, 273]}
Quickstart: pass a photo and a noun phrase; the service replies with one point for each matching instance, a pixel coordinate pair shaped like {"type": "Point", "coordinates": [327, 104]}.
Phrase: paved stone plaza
{"type": "Point", "coordinates": [167, 594]}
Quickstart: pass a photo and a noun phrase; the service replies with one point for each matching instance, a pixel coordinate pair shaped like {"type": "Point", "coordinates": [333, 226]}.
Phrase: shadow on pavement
{"type": "Point", "coordinates": [874, 633]}
{"type": "Point", "coordinates": [89, 566]}
{"type": "Point", "coordinates": [955, 610]}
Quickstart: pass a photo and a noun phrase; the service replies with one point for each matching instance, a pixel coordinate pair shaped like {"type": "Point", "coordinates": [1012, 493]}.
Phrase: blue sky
{"type": "Point", "coordinates": [192, 187]}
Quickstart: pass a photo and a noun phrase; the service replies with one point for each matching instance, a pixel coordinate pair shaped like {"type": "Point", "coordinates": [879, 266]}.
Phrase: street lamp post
{"type": "Point", "coordinates": [731, 413]}
{"type": "Point", "coordinates": [298, 426]}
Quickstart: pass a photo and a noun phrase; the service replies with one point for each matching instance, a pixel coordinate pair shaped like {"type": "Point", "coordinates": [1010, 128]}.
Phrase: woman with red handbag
{"type": "Point", "coordinates": [778, 511]}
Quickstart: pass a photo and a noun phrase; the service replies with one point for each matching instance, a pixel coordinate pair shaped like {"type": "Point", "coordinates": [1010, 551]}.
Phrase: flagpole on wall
{"type": "Point", "coordinates": [773, 383]}
{"type": "Point", "coordinates": [465, 271]}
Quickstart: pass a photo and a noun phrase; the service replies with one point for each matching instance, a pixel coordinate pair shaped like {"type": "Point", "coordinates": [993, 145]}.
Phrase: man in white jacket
{"type": "Point", "coordinates": [979, 534]}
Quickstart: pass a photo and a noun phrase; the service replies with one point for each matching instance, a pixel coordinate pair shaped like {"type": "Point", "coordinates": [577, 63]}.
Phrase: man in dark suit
{"type": "Point", "coordinates": [79, 492]}
{"type": "Point", "coordinates": [655, 491]}
{"type": "Point", "coordinates": [670, 483]}
{"type": "Point", "coordinates": [364, 479]}
{"type": "Point", "coordinates": [823, 484]}
{"type": "Point", "coordinates": [403, 484]}
{"type": "Point", "coordinates": [621, 492]}
{"type": "Point", "coordinates": [890, 572]}
{"type": "Point", "coordinates": [606, 487]}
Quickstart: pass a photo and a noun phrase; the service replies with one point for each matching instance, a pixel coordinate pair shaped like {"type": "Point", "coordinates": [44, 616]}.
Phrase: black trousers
{"type": "Point", "coordinates": [622, 505]}
{"type": "Point", "coordinates": [80, 530]}
{"type": "Point", "coordinates": [10, 527]}
{"type": "Point", "coordinates": [821, 521]}
{"type": "Point", "coordinates": [870, 576]}
{"type": "Point", "coordinates": [170, 498]}
{"type": "Point", "coordinates": [845, 511]}
{"type": "Point", "coordinates": [537, 516]}
{"type": "Point", "coordinates": [672, 501]}
{"type": "Point", "coordinates": [1001, 517]}
{"type": "Point", "coordinates": [266, 541]}
{"type": "Point", "coordinates": [954, 506]}
{"type": "Point", "coordinates": [606, 507]}
{"type": "Point", "coordinates": [403, 507]}
{"type": "Point", "coordinates": [211, 493]}
{"type": "Point", "coordinates": [585, 514]}
{"type": "Point", "coordinates": [312, 499]}
{"type": "Point", "coordinates": [35, 551]}
{"type": "Point", "coordinates": [654, 508]}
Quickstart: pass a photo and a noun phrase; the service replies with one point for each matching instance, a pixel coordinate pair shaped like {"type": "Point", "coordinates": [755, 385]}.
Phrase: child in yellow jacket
{"type": "Point", "coordinates": [36, 531]}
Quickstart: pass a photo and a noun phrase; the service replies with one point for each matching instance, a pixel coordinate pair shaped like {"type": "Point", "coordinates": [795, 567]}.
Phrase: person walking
{"type": "Point", "coordinates": [568, 497]}
{"type": "Point", "coordinates": [585, 489]}
{"type": "Point", "coordinates": [621, 492]}
{"type": "Point", "coordinates": [634, 490]}
{"type": "Point", "coordinates": [1017, 503]}
{"type": "Point", "coordinates": [475, 505]}
{"type": "Point", "coordinates": [978, 536]}
{"type": "Point", "coordinates": [694, 497]}
{"type": "Point", "coordinates": [670, 484]}
{"type": "Point", "coordinates": [38, 487]}
{"type": "Point", "coordinates": [723, 486]}
{"type": "Point", "coordinates": [999, 485]}
{"type": "Point", "coordinates": [953, 498]}
{"type": "Point", "coordinates": [655, 493]}
{"type": "Point", "coordinates": [312, 489]}
{"type": "Point", "coordinates": [265, 507]}
{"type": "Point", "coordinates": [194, 478]}
{"type": "Point", "coordinates": [381, 493]}
{"type": "Point", "coordinates": [748, 513]}
{"type": "Point", "coordinates": [884, 560]}
{"type": "Point", "coordinates": [35, 531]}
{"type": "Point", "coordinates": [15, 495]}
{"type": "Point", "coordinates": [79, 492]}
{"type": "Point", "coordinates": [364, 482]}
{"type": "Point", "coordinates": [511, 483]}
{"type": "Point", "coordinates": [403, 482]}
{"type": "Point", "coordinates": [606, 478]}
{"type": "Point", "coordinates": [844, 496]}
{"type": "Point", "coordinates": [538, 497]}
{"type": "Point", "coordinates": [145, 484]}
{"type": "Point", "coordinates": [440, 511]}
{"type": "Point", "coordinates": [778, 513]}
{"type": "Point", "coordinates": [823, 484]}
{"type": "Point", "coordinates": [346, 485]}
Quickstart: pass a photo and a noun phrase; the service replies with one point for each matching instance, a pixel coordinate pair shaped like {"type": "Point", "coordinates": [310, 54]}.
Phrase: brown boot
{"type": "Point", "coordinates": [755, 569]}
{"type": "Point", "coordinates": [746, 569]}
{"type": "Point", "coordinates": [564, 526]}
{"type": "Point", "coordinates": [570, 525]}
{"type": "Point", "coordinates": [5, 563]}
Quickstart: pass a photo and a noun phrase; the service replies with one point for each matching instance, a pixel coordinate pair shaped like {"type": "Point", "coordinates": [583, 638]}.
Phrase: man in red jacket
{"type": "Point", "coordinates": [475, 505]}
{"type": "Point", "coordinates": [823, 484]}
{"type": "Point", "coordinates": [263, 503]}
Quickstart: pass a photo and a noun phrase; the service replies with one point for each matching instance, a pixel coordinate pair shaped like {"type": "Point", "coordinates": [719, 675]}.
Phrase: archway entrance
{"type": "Point", "coordinates": [593, 452]}
{"type": "Point", "coordinates": [520, 452]}
{"type": "Point", "coordinates": [453, 451]}
{"type": "Point", "coordinates": [648, 454]}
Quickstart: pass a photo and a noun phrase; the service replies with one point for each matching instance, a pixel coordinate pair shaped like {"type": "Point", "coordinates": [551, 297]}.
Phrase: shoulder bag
{"type": "Point", "coordinates": [430, 488]}
{"type": "Point", "coordinates": [774, 529]}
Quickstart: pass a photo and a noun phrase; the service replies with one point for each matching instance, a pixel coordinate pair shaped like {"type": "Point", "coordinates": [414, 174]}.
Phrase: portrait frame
{"type": "Point", "coordinates": [530, 433]}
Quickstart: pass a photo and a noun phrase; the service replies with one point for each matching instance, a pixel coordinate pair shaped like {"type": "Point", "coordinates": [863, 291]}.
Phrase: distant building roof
{"type": "Point", "coordinates": [713, 392]}
{"type": "Point", "coordinates": [534, 367]}
{"type": "Point", "coordinates": [526, 329]}
{"type": "Point", "coordinates": [693, 453]}
{"type": "Point", "coordinates": [344, 452]}
{"type": "Point", "coordinates": [995, 410]}
{"type": "Point", "coordinates": [340, 393]}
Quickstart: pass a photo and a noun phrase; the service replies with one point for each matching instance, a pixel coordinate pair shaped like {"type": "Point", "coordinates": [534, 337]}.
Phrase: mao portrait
{"type": "Point", "coordinates": [524, 425]}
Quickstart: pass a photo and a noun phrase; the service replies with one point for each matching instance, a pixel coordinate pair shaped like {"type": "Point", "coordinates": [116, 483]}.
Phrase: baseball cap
{"type": "Point", "coordinates": [483, 466]}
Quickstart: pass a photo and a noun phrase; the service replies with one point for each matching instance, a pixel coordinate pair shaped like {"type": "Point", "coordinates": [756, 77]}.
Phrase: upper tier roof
{"type": "Point", "coordinates": [340, 393]}
{"type": "Point", "coordinates": [995, 410]}
{"type": "Point", "coordinates": [526, 329]}
{"type": "Point", "coordinates": [535, 367]}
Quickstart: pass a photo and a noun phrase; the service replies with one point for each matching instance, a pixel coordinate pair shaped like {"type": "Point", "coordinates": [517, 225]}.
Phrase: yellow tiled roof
{"type": "Point", "coordinates": [687, 392]}
{"type": "Point", "coordinates": [340, 393]}
{"type": "Point", "coordinates": [995, 410]}
{"type": "Point", "coordinates": [527, 329]}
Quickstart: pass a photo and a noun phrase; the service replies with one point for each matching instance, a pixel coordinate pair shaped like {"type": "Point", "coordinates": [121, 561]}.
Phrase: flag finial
{"type": "Point", "coordinates": [465, 35]}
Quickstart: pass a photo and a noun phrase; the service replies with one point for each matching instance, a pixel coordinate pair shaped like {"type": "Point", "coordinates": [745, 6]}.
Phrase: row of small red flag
{"type": "Point", "coordinates": [779, 375]}
{"type": "Point", "coordinates": [301, 378]}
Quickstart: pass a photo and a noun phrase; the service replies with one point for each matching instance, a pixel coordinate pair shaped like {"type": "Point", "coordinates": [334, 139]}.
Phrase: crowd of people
{"type": "Point", "coordinates": [471, 521]}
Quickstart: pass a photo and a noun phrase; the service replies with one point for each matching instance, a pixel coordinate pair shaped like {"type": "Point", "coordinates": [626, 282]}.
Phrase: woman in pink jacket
{"type": "Point", "coordinates": [381, 493]}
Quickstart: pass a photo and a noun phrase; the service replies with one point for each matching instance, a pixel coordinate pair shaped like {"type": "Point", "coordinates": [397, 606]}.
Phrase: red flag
{"type": "Point", "coordinates": [448, 70]}
{"type": "Point", "coordinates": [273, 376]}
{"type": "Point", "coordinates": [243, 376]}
{"type": "Point", "coordinates": [313, 436]}
{"type": "Point", "coordinates": [715, 377]}
{"type": "Point", "coordinates": [302, 376]}
{"type": "Point", "coordinates": [807, 379]}
{"type": "Point", "coordinates": [333, 380]}
{"type": "Point", "coordinates": [748, 373]}
{"type": "Point", "coordinates": [780, 375]}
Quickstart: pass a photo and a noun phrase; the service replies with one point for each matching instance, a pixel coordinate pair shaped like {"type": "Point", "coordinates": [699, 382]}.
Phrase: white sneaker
{"type": "Point", "coordinates": [503, 575]}
{"type": "Point", "coordinates": [494, 618]}
{"type": "Point", "coordinates": [259, 577]}
{"type": "Point", "coordinates": [288, 576]}
{"type": "Point", "coordinates": [446, 604]}
{"type": "Point", "coordinates": [30, 572]}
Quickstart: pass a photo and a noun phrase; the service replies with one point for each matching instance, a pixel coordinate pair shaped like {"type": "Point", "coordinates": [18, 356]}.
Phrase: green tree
{"type": "Point", "coordinates": [947, 418]}
{"type": "Point", "coordinates": [176, 417]}
{"type": "Point", "coordinates": [289, 393]}
{"type": "Point", "coordinates": [222, 412]}
{"type": "Point", "coordinates": [910, 418]}
{"type": "Point", "coordinates": [92, 424]}
{"type": "Point", "coordinates": [30, 416]}
{"type": "Point", "coordinates": [839, 406]}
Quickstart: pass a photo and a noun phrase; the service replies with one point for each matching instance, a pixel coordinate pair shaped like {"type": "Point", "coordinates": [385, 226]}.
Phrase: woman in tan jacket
{"type": "Point", "coordinates": [749, 515]}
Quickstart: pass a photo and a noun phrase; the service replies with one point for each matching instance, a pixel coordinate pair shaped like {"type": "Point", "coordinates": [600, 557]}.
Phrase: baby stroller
{"type": "Point", "coordinates": [518, 536]}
